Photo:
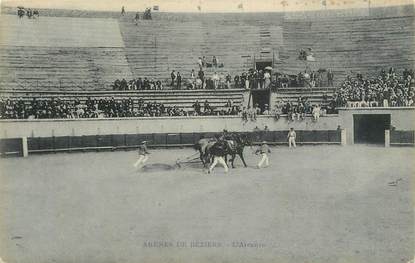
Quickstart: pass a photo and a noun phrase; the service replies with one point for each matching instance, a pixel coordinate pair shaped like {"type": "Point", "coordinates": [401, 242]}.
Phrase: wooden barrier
{"type": "Point", "coordinates": [155, 140]}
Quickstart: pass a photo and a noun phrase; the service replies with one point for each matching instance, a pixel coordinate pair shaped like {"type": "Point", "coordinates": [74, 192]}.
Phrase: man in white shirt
{"type": "Point", "coordinates": [264, 150]}
{"type": "Point", "coordinates": [142, 155]}
{"type": "Point", "coordinates": [291, 138]}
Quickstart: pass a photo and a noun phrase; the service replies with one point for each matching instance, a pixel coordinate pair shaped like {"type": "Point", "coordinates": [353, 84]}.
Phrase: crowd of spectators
{"type": "Point", "coordinates": [297, 111]}
{"type": "Point", "coordinates": [21, 12]}
{"type": "Point", "coordinates": [388, 89]}
{"type": "Point", "coordinates": [103, 108]}
{"type": "Point", "coordinates": [308, 78]}
{"type": "Point", "coordinates": [206, 109]}
{"type": "Point", "coordinates": [91, 108]}
{"type": "Point", "coordinates": [137, 84]}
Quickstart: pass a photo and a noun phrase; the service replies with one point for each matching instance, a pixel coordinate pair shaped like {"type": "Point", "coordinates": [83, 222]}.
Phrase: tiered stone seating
{"type": "Point", "coordinates": [47, 68]}
{"type": "Point", "coordinates": [155, 48]}
{"type": "Point", "coordinates": [347, 46]}
{"type": "Point", "coordinates": [314, 95]}
{"type": "Point", "coordinates": [181, 98]}
{"type": "Point", "coordinates": [34, 57]}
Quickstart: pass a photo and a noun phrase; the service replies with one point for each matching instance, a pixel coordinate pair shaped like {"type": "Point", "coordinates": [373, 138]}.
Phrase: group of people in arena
{"type": "Point", "coordinates": [388, 89]}
{"type": "Point", "coordinates": [21, 12]}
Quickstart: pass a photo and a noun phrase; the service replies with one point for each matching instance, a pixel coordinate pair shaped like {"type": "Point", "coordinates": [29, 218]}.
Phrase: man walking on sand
{"type": "Point", "coordinates": [264, 150]}
{"type": "Point", "coordinates": [142, 155]}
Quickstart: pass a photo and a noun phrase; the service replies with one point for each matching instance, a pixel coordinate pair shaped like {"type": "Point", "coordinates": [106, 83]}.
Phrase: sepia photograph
{"type": "Point", "coordinates": [207, 131]}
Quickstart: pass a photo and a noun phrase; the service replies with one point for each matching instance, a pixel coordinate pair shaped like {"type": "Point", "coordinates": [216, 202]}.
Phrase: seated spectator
{"type": "Point", "coordinates": [316, 112]}
{"type": "Point", "coordinates": [197, 108]}
{"type": "Point", "coordinates": [266, 110]}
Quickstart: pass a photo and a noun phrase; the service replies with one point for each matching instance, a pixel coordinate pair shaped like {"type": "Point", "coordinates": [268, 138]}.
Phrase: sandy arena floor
{"type": "Point", "coordinates": [313, 204]}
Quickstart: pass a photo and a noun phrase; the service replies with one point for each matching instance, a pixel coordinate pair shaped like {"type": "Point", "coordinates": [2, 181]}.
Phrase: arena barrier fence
{"type": "Point", "coordinates": [32, 145]}
{"type": "Point", "coordinates": [15, 147]}
{"type": "Point", "coordinates": [402, 138]}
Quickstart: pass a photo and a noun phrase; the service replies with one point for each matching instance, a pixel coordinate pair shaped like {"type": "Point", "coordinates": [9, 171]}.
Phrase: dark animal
{"type": "Point", "coordinates": [235, 145]}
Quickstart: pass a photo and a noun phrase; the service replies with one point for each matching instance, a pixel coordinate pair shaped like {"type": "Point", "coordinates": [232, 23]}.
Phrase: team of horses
{"type": "Point", "coordinates": [232, 145]}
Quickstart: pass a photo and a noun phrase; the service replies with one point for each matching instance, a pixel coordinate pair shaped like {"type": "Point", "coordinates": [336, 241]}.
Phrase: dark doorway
{"type": "Point", "coordinates": [370, 128]}
{"type": "Point", "coordinates": [261, 97]}
{"type": "Point", "coordinates": [261, 65]}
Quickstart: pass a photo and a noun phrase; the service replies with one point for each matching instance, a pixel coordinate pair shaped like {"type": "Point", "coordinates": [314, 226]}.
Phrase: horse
{"type": "Point", "coordinates": [235, 146]}
{"type": "Point", "coordinates": [202, 146]}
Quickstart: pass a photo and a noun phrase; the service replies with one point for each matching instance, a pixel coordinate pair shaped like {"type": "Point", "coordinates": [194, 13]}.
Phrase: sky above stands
{"type": "Point", "coordinates": [206, 5]}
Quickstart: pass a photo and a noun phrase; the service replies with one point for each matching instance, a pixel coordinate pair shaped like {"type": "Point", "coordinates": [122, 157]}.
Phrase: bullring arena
{"type": "Point", "coordinates": [81, 90]}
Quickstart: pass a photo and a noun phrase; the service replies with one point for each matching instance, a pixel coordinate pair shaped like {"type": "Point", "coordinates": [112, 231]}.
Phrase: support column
{"type": "Point", "coordinates": [387, 138]}
{"type": "Point", "coordinates": [25, 147]}
{"type": "Point", "coordinates": [343, 137]}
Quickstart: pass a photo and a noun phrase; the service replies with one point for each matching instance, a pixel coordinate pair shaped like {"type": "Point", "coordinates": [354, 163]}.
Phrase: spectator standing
{"type": "Point", "coordinates": [330, 77]}
{"type": "Point", "coordinates": [137, 17]}
{"type": "Point", "coordinates": [173, 78]}
{"type": "Point", "coordinates": [247, 80]}
{"type": "Point", "coordinates": [215, 61]}
{"type": "Point", "coordinates": [215, 79]}
{"type": "Point", "coordinates": [200, 63]}
{"type": "Point", "coordinates": [228, 80]}
{"type": "Point", "coordinates": [201, 76]}
{"type": "Point", "coordinates": [179, 80]}
{"type": "Point", "coordinates": [122, 10]}
{"type": "Point", "coordinates": [267, 79]}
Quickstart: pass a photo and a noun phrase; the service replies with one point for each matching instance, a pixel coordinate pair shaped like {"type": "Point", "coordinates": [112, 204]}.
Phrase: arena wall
{"type": "Point", "coordinates": [85, 127]}
{"type": "Point", "coordinates": [24, 137]}
{"type": "Point", "coordinates": [18, 137]}
{"type": "Point", "coordinates": [402, 118]}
